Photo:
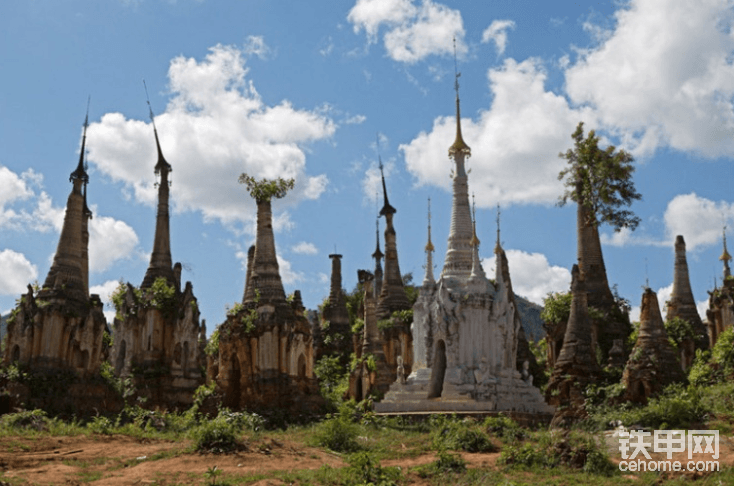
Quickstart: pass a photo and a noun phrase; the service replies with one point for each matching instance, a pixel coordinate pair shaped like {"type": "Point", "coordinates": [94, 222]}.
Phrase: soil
{"type": "Point", "coordinates": [124, 460]}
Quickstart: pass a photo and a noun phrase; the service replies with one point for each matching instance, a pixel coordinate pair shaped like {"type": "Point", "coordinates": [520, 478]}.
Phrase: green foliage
{"type": "Point", "coordinates": [161, 296]}
{"type": "Point", "coordinates": [551, 449]}
{"type": "Point", "coordinates": [366, 470]}
{"type": "Point", "coordinates": [338, 433]}
{"type": "Point", "coordinates": [460, 435]}
{"type": "Point", "coordinates": [717, 365]}
{"type": "Point", "coordinates": [212, 346]}
{"type": "Point", "coordinates": [31, 420]}
{"type": "Point", "coordinates": [505, 428]}
{"type": "Point", "coordinates": [266, 189]}
{"type": "Point", "coordinates": [123, 386]}
{"type": "Point", "coordinates": [106, 340]}
{"type": "Point", "coordinates": [722, 356]}
{"type": "Point", "coordinates": [556, 308]}
{"type": "Point", "coordinates": [701, 373]}
{"type": "Point", "coordinates": [358, 326]}
{"type": "Point", "coordinates": [385, 324]}
{"type": "Point", "coordinates": [404, 316]}
{"type": "Point", "coordinates": [679, 330]}
{"type": "Point", "coordinates": [600, 180]}
{"type": "Point", "coordinates": [217, 436]}
{"type": "Point", "coordinates": [333, 379]}
{"type": "Point", "coordinates": [211, 474]}
{"type": "Point", "coordinates": [101, 425]}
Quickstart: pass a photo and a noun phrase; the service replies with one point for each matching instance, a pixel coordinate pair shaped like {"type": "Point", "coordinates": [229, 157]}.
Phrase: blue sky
{"type": "Point", "coordinates": [304, 89]}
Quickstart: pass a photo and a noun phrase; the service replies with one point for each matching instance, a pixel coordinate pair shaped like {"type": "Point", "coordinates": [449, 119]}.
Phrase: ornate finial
{"type": "Point", "coordinates": [647, 279]}
{"type": "Point", "coordinates": [725, 257]}
{"type": "Point", "coordinates": [377, 255]}
{"type": "Point", "coordinates": [429, 245]}
{"type": "Point", "coordinates": [386, 208]}
{"type": "Point", "coordinates": [81, 173]}
{"type": "Point", "coordinates": [459, 146]}
{"type": "Point", "coordinates": [162, 163]}
{"type": "Point", "coordinates": [474, 240]}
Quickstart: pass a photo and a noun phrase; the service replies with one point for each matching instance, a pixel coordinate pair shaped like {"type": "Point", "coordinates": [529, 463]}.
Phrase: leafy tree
{"type": "Point", "coordinates": [266, 189]}
{"type": "Point", "coordinates": [601, 180]}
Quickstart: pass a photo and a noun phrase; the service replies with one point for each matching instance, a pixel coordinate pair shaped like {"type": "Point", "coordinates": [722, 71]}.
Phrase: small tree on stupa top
{"type": "Point", "coordinates": [600, 180]}
{"type": "Point", "coordinates": [265, 189]}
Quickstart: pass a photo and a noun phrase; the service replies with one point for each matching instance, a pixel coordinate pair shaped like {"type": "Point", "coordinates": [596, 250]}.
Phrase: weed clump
{"type": "Point", "coordinates": [458, 435]}
{"type": "Point", "coordinates": [338, 433]}
{"type": "Point", "coordinates": [32, 420]}
{"type": "Point", "coordinates": [216, 436]}
{"type": "Point", "coordinates": [364, 469]}
{"type": "Point", "coordinates": [505, 428]}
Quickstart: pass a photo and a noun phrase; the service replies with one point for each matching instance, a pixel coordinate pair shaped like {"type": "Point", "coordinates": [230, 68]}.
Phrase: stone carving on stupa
{"type": "Point", "coordinates": [156, 332]}
{"type": "Point", "coordinates": [720, 314]}
{"type": "Point", "coordinates": [266, 352]}
{"type": "Point", "coordinates": [465, 329]}
{"type": "Point", "coordinates": [576, 366]}
{"type": "Point", "coordinates": [653, 363]}
{"type": "Point", "coordinates": [61, 326]}
{"type": "Point", "coordinates": [682, 305]}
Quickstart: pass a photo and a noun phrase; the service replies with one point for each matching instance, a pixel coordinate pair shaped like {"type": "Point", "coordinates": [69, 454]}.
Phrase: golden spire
{"type": "Point", "coordinates": [459, 146]}
{"type": "Point", "coordinates": [725, 257]}
{"type": "Point", "coordinates": [474, 240]}
{"type": "Point", "coordinates": [429, 245]}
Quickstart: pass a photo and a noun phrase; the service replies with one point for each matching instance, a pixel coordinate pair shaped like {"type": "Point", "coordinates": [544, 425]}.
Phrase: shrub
{"type": "Point", "coordinates": [36, 420]}
{"type": "Point", "coordinates": [449, 463]}
{"type": "Point", "coordinates": [338, 434]}
{"type": "Point", "coordinates": [365, 470]}
{"type": "Point", "coordinates": [101, 425]}
{"type": "Point", "coordinates": [505, 428]}
{"type": "Point", "coordinates": [216, 436]}
{"type": "Point", "coordinates": [458, 435]}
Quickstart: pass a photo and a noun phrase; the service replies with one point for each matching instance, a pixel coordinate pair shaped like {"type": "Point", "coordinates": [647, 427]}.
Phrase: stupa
{"type": "Point", "coordinates": [465, 328]}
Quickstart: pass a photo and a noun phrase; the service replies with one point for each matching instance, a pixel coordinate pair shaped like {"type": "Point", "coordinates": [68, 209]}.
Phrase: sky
{"type": "Point", "coordinates": [320, 90]}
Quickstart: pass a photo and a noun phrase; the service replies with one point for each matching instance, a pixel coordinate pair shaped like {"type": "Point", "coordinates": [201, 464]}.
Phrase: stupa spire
{"type": "Point", "coordinates": [161, 263]}
{"type": "Point", "coordinates": [725, 257]}
{"type": "Point", "coordinates": [81, 170]}
{"type": "Point", "coordinates": [378, 255]}
{"type": "Point", "coordinates": [458, 261]}
{"type": "Point", "coordinates": [429, 280]}
{"type": "Point", "coordinates": [477, 272]}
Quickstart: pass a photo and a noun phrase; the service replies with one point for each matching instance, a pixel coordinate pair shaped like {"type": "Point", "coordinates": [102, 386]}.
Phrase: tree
{"type": "Point", "coordinates": [600, 180]}
{"type": "Point", "coordinates": [266, 189]}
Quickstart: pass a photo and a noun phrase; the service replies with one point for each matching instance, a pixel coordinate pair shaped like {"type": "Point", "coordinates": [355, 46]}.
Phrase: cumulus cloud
{"type": "Point", "coordinates": [698, 219]}
{"type": "Point", "coordinates": [214, 128]}
{"type": "Point", "coordinates": [515, 142]}
{"type": "Point", "coordinates": [17, 272]}
{"type": "Point", "coordinates": [663, 76]}
{"type": "Point", "coordinates": [413, 32]}
{"type": "Point", "coordinates": [497, 33]}
{"type": "Point", "coordinates": [15, 188]}
{"type": "Point", "coordinates": [110, 240]}
{"type": "Point", "coordinates": [532, 275]}
{"type": "Point", "coordinates": [305, 248]}
{"type": "Point", "coordinates": [287, 274]}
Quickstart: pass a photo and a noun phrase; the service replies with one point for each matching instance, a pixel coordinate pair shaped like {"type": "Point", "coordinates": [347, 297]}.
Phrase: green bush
{"type": "Point", "coordinates": [505, 428]}
{"type": "Point", "coordinates": [101, 425]}
{"type": "Point", "coordinates": [338, 434]}
{"type": "Point", "coordinates": [447, 462]}
{"type": "Point", "coordinates": [365, 470]}
{"type": "Point", "coordinates": [459, 435]}
{"type": "Point", "coordinates": [216, 436]}
{"type": "Point", "coordinates": [35, 420]}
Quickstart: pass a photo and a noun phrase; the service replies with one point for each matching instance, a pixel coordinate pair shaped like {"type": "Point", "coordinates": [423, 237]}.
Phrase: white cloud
{"type": "Point", "coordinates": [626, 237]}
{"type": "Point", "coordinates": [287, 274]}
{"type": "Point", "coordinates": [515, 143]}
{"type": "Point", "coordinates": [663, 294]}
{"type": "Point", "coordinates": [698, 219]}
{"type": "Point", "coordinates": [663, 76]}
{"type": "Point", "coordinates": [110, 240]}
{"type": "Point", "coordinates": [16, 272]}
{"type": "Point", "coordinates": [255, 46]}
{"type": "Point", "coordinates": [305, 248]}
{"type": "Point", "coordinates": [413, 32]}
{"type": "Point", "coordinates": [214, 128]}
{"type": "Point", "coordinates": [532, 275]}
{"type": "Point", "coordinates": [355, 120]}
{"type": "Point", "coordinates": [497, 33]}
{"type": "Point", "coordinates": [14, 189]}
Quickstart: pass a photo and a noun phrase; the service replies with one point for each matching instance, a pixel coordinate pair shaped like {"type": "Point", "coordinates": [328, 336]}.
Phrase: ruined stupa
{"type": "Point", "coordinates": [576, 366]}
{"type": "Point", "coordinates": [465, 329]}
{"type": "Point", "coordinates": [720, 314]}
{"type": "Point", "coordinates": [156, 331]}
{"type": "Point", "coordinates": [266, 353]}
{"type": "Point", "coordinates": [392, 294]}
{"type": "Point", "coordinates": [682, 304]}
{"type": "Point", "coordinates": [336, 333]}
{"type": "Point", "coordinates": [653, 363]}
{"type": "Point", "coordinates": [62, 326]}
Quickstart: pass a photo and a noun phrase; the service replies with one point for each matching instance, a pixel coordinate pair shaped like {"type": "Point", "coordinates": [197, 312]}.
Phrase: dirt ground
{"type": "Point", "coordinates": [123, 460]}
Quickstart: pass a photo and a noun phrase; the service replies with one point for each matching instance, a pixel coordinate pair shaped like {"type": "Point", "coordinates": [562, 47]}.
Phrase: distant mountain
{"type": "Point", "coordinates": [532, 324]}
